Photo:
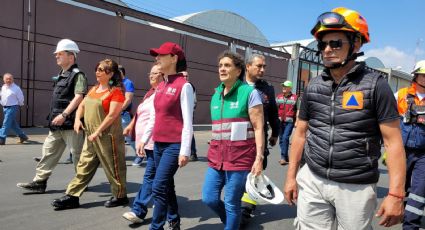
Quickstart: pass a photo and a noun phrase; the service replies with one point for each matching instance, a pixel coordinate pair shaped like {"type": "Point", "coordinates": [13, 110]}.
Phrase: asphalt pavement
{"type": "Point", "coordinates": [33, 211]}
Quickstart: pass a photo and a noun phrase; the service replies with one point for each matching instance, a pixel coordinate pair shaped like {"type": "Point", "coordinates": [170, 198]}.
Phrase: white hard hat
{"type": "Point", "coordinates": [262, 190]}
{"type": "Point", "coordinates": [67, 45]}
{"type": "Point", "coordinates": [419, 67]}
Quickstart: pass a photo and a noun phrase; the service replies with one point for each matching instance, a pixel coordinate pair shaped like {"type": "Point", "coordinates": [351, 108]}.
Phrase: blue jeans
{"type": "Point", "coordinates": [285, 133]}
{"type": "Point", "coordinates": [125, 121]}
{"type": "Point", "coordinates": [233, 182]}
{"type": "Point", "coordinates": [144, 196]}
{"type": "Point", "coordinates": [9, 122]}
{"type": "Point", "coordinates": [166, 156]}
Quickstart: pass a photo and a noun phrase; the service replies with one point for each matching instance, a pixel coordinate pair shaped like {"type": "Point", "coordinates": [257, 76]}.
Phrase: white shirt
{"type": "Point", "coordinates": [421, 96]}
{"type": "Point", "coordinates": [11, 95]}
{"type": "Point", "coordinates": [187, 105]}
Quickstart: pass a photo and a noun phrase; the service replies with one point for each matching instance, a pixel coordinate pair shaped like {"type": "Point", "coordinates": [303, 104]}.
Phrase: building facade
{"type": "Point", "coordinates": [30, 30]}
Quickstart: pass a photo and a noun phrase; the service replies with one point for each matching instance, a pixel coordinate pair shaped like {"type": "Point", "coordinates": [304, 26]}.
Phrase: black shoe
{"type": "Point", "coordinates": [22, 139]}
{"type": "Point", "coordinates": [2, 141]}
{"type": "Point", "coordinates": [173, 225]}
{"type": "Point", "coordinates": [193, 157]}
{"type": "Point", "coordinates": [66, 202]}
{"type": "Point", "coordinates": [114, 202]}
{"type": "Point", "coordinates": [37, 159]}
{"type": "Point", "coordinates": [35, 187]}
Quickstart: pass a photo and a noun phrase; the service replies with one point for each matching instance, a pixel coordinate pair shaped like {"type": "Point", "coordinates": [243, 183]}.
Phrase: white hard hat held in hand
{"type": "Point", "coordinates": [262, 190]}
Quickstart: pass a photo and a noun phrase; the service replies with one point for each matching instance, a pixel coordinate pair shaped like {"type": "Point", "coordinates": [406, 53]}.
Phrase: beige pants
{"type": "Point", "coordinates": [53, 148]}
{"type": "Point", "coordinates": [326, 204]}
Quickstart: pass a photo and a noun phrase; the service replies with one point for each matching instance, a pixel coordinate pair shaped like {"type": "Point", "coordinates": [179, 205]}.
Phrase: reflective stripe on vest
{"type": "Point", "coordinates": [286, 107]}
{"type": "Point", "coordinates": [230, 108]}
{"type": "Point", "coordinates": [222, 129]}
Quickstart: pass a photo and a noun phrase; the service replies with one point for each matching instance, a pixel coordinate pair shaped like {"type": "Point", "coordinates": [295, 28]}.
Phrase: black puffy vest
{"type": "Point", "coordinates": [267, 94]}
{"type": "Point", "coordinates": [343, 144]}
{"type": "Point", "coordinates": [63, 93]}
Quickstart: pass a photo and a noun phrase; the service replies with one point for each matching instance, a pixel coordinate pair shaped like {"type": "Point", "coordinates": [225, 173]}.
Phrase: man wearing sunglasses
{"type": "Point", "coordinates": [70, 86]}
{"type": "Point", "coordinates": [411, 106]}
{"type": "Point", "coordinates": [347, 110]}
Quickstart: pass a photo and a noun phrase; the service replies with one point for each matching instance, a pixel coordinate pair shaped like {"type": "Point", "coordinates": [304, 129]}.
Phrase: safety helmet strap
{"type": "Point", "coordinates": [267, 194]}
{"type": "Point", "coordinates": [350, 55]}
{"type": "Point", "coordinates": [416, 81]}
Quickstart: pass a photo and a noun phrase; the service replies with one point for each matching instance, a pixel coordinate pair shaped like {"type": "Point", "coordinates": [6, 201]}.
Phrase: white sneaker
{"type": "Point", "coordinates": [131, 216]}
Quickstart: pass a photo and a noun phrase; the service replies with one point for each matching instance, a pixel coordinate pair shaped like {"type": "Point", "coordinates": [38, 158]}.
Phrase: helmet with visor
{"type": "Point", "coordinates": [344, 20]}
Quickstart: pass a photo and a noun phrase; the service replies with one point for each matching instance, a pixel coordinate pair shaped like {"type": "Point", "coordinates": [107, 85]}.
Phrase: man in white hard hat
{"type": "Point", "coordinates": [70, 86]}
{"type": "Point", "coordinates": [411, 106]}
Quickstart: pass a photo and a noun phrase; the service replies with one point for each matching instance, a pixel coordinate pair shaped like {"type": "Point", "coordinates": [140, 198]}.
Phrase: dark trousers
{"type": "Point", "coordinates": [193, 146]}
{"type": "Point", "coordinates": [415, 184]}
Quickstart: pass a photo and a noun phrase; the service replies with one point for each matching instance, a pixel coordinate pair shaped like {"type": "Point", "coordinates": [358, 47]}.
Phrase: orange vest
{"type": "Point", "coordinates": [413, 134]}
{"type": "Point", "coordinates": [402, 98]}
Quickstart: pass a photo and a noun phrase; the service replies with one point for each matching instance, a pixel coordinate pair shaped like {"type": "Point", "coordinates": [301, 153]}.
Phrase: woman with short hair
{"type": "Point", "coordinates": [237, 144]}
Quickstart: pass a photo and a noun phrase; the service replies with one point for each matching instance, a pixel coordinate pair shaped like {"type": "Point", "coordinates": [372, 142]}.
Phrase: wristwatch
{"type": "Point", "coordinates": [65, 115]}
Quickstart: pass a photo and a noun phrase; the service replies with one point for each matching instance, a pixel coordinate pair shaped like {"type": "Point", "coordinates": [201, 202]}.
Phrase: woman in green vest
{"type": "Point", "coordinates": [237, 144]}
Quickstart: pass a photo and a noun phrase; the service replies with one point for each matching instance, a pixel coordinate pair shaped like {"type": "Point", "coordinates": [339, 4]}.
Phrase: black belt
{"type": "Point", "coordinates": [9, 106]}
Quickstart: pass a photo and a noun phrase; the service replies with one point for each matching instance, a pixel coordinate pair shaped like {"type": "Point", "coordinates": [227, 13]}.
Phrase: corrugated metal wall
{"type": "Point", "coordinates": [29, 56]}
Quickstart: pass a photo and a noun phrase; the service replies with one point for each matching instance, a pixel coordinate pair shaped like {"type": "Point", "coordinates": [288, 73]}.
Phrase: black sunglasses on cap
{"type": "Point", "coordinates": [334, 44]}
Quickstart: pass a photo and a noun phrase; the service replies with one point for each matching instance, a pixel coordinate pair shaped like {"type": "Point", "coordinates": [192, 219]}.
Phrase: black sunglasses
{"type": "Point", "coordinates": [334, 44]}
{"type": "Point", "coordinates": [101, 69]}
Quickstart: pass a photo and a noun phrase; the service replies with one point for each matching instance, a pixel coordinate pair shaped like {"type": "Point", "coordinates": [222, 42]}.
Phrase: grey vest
{"type": "Point", "coordinates": [344, 139]}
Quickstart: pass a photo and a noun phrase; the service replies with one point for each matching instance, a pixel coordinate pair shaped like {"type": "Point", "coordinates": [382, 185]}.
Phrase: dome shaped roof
{"type": "Point", "coordinates": [226, 23]}
{"type": "Point", "coordinates": [372, 62]}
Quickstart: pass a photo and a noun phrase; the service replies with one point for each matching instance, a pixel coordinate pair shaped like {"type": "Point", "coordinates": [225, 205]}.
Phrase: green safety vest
{"type": "Point", "coordinates": [233, 107]}
{"type": "Point", "coordinates": [225, 153]}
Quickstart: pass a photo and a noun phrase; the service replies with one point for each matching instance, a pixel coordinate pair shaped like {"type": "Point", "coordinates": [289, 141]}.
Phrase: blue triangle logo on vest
{"type": "Point", "coordinates": [352, 101]}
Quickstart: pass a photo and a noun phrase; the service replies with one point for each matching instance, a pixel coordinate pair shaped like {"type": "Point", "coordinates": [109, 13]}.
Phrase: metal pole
{"type": "Point", "coordinates": [293, 66]}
